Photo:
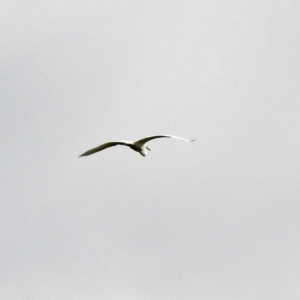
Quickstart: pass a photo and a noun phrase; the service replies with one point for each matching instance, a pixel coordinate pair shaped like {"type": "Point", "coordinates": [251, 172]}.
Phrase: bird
{"type": "Point", "coordinates": [139, 146]}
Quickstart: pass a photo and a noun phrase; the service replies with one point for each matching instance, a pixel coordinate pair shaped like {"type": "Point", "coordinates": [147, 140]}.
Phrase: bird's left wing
{"type": "Point", "coordinates": [102, 147]}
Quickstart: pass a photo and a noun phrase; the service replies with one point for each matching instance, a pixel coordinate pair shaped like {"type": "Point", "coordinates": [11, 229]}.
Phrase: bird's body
{"type": "Point", "coordinates": [139, 145]}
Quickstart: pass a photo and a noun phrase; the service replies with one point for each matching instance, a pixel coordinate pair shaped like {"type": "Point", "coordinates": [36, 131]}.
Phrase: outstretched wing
{"type": "Point", "coordinates": [149, 138]}
{"type": "Point", "coordinates": [102, 147]}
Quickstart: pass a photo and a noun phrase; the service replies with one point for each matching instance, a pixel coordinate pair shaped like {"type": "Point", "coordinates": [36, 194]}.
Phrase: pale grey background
{"type": "Point", "coordinates": [215, 219]}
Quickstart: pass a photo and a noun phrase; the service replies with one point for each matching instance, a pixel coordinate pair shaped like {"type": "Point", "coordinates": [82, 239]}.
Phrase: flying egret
{"type": "Point", "coordinates": [139, 145]}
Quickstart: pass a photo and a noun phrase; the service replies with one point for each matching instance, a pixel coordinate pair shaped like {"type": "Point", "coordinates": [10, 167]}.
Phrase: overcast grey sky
{"type": "Point", "coordinates": [214, 219]}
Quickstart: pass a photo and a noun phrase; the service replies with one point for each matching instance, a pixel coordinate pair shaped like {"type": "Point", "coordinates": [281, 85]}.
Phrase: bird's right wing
{"type": "Point", "coordinates": [149, 138]}
{"type": "Point", "coordinates": [102, 147]}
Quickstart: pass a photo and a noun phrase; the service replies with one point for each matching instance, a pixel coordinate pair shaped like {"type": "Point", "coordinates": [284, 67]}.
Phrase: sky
{"type": "Point", "coordinates": [215, 219]}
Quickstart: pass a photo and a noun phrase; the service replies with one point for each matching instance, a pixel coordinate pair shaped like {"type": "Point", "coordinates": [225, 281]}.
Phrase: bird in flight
{"type": "Point", "coordinates": [139, 145]}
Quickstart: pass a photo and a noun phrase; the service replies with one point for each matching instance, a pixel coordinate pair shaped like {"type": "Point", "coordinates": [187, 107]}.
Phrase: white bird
{"type": "Point", "coordinates": [139, 145]}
